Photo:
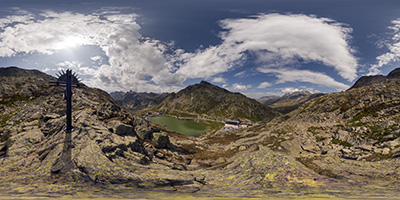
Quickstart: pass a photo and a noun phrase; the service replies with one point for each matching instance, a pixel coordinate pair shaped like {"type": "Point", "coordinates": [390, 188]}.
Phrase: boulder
{"type": "Point", "coordinates": [385, 150]}
{"type": "Point", "coordinates": [121, 129]}
{"type": "Point", "coordinates": [161, 140]}
{"type": "Point", "coordinates": [292, 146]}
{"type": "Point", "coordinates": [124, 130]}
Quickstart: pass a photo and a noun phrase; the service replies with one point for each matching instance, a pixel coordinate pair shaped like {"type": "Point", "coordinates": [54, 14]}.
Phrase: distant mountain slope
{"type": "Point", "coordinates": [117, 95]}
{"type": "Point", "coordinates": [138, 100]}
{"type": "Point", "coordinates": [18, 72]}
{"type": "Point", "coordinates": [288, 102]}
{"type": "Point", "coordinates": [369, 80]}
{"type": "Point", "coordinates": [210, 100]}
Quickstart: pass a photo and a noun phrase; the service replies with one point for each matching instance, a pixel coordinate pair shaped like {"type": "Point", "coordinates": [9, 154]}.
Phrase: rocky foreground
{"type": "Point", "coordinates": [339, 144]}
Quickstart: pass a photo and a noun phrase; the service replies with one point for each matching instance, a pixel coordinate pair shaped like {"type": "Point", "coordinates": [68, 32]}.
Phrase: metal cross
{"type": "Point", "coordinates": [68, 80]}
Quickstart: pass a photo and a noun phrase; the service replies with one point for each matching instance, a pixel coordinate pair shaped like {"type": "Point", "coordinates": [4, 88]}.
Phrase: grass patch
{"type": "Point", "coordinates": [10, 101]}
{"type": "Point", "coordinates": [312, 130]}
{"type": "Point", "coordinates": [186, 115]}
{"type": "Point", "coordinates": [371, 111]}
{"type": "Point", "coordinates": [357, 124]}
{"type": "Point", "coordinates": [340, 142]}
{"type": "Point", "coordinates": [319, 139]}
{"type": "Point", "coordinates": [213, 126]}
{"type": "Point", "coordinates": [4, 119]}
{"type": "Point", "coordinates": [284, 118]}
{"type": "Point", "coordinates": [4, 137]}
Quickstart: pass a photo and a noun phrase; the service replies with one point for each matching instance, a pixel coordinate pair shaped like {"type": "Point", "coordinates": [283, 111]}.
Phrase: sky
{"type": "Point", "coordinates": [255, 47]}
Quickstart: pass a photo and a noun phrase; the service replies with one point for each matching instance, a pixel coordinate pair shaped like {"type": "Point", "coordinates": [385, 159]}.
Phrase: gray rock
{"type": "Point", "coordinates": [365, 147]}
{"type": "Point", "coordinates": [124, 130]}
{"type": "Point", "coordinates": [161, 140]}
{"type": "Point", "coordinates": [292, 146]}
{"type": "Point", "coordinates": [385, 150]}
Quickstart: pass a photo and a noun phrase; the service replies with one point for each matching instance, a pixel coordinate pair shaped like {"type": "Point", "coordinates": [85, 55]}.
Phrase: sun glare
{"type": "Point", "coordinates": [70, 42]}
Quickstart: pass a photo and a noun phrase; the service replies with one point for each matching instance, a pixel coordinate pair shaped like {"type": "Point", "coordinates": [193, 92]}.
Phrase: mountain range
{"type": "Point", "coordinates": [289, 101]}
{"type": "Point", "coordinates": [340, 144]}
{"type": "Point", "coordinates": [138, 100]}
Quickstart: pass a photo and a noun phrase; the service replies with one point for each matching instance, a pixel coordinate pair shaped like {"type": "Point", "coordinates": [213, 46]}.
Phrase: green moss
{"type": "Point", "coordinates": [371, 111]}
{"type": "Point", "coordinates": [4, 136]}
{"type": "Point", "coordinates": [4, 119]}
{"type": "Point", "coordinates": [375, 129]}
{"type": "Point", "coordinates": [286, 117]}
{"type": "Point", "coordinates": [10, 101]}
{"type": "Point", "coordinates": [319, 139]}
{"type": "Point", "coordinates": [312, 130]}
{"type": "Point", "coordinates": [340, 142]}
{"type": "Point", "coordinates": [357, 124]}
{"type": "Point", "coordinates": [186, 115]}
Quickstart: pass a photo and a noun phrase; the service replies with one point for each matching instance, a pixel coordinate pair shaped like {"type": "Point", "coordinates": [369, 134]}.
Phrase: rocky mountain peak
{"type": "Point", "coordinates": [297, 94]}
{"type": "Point", "coordinates": [394, 74]}
{"type": "Point", "coordinates": [212, 101]}
{"type": "Point", "coordinates": [203, 86]}
{"type": "Point", "coordinates": [369, 80]}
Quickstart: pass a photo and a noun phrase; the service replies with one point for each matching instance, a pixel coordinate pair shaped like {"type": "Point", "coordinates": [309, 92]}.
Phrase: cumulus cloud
{"type": "Point", "coordinates": [139, 63]}
{"type": "Point", "coordinates": [264, 85]}
{"type": "Point", "coordinates": [393, 55]}
{"type": "Point", "coordinates": [134, 62]}
{"type": "Point", "coordinates": [292, 75]}
{"type": "Point", "coordinates": [218, 80]}
{"type": "Point", "coordinates": [96, 58]}
{"type": "Point", "coordinates": [276, 40]}
{"type": "Point", "coordinates": [239, 87]}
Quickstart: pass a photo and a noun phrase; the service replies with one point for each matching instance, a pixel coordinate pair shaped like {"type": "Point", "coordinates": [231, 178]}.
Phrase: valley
{"type": "Point", "coordinates": [337, 145]}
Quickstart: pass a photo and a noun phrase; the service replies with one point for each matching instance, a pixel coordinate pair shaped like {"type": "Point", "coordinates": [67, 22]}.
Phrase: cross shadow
{"type": "Point", "coordinates": [64, 163]}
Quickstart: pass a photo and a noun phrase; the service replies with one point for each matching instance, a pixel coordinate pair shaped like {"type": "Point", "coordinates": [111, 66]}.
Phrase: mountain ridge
{"type": "Point", "coordinates": [289, 101]}
{"type": "Point", "coordinates": [208, 100]}
{"type": "Point", "coordinates": [138, 100]}
{"type": "Point", "coordinates": [369, 80]}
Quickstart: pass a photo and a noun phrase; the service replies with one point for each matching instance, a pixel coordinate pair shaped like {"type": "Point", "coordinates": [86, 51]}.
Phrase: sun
{"type": "Point", "coordinates": [70, 42]}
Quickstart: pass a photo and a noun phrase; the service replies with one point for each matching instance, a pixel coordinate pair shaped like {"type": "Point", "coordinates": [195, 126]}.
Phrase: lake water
{"type": "Point", "coordinates": [185, 127]}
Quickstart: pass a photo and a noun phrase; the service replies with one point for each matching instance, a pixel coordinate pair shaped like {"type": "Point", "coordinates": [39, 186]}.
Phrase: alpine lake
{"type": "Point", "coordinates": [182, 126]}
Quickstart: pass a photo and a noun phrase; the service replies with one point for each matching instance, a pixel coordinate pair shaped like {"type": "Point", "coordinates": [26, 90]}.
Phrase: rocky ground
{"type": "Point", "coordinates": [339, 145]}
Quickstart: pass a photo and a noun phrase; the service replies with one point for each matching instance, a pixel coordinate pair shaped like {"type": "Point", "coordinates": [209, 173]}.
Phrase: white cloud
{"type": "Point", "coordinates": [276, 40]}
{"type": "Point", "coordinates": [240, 74]}
{"type": "Point", "coordinates": [394, 50]}
{"type": "Point", "coordinates": [96, 58]}
{"type": "Point", "coordinates": [292, 75]}
{"type": "Point", "coordinates": [239, 87]}
{"type": "Point", "coordinates": [135, 62]}
{"type": "Point", "coordinates": [290, 90]}
{"type": "Point", "coordinates": [218, 80]}
{"type": "Point", "coordinates": [264, 85]}
{"type": "Point", "coordinates": [143, 64]}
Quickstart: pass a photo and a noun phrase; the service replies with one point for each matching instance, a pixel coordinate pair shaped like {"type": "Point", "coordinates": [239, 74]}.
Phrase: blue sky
{"type": "Point", "coordinates": [256, 47]}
